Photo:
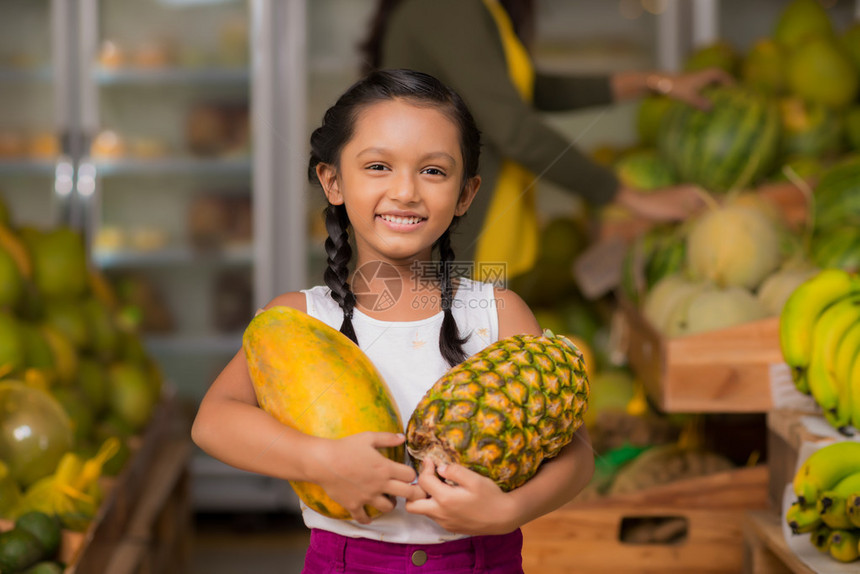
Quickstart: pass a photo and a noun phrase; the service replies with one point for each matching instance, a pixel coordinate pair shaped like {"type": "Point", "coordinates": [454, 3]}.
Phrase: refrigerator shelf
{"type": "Point", "coordinates": [173, 256]}
{"type": "Point", "coordinates": [27, 167]}
{"type": "Point", "coordinates": [172, 76]}
{"type": "Point", "coordinates": [10, 75]}
{"type": "Point", "coordinates": [233, 166]}
{"type": "Point", "coordinates": [184, 344]}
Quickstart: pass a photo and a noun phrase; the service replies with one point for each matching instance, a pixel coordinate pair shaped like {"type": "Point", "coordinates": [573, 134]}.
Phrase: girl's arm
{"type": "Point", "coordinates": [231, 427]}
{"type": "Point", "coordinates": [462, 508]}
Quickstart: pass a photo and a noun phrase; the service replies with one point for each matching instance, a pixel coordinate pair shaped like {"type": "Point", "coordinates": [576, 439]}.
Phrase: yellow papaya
{"type": "Point", "coordinates": [312, 378]}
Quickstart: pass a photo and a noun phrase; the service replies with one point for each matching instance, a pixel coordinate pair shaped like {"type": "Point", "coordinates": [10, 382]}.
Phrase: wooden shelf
{"type": "Point", "coordinates": [765, 550]}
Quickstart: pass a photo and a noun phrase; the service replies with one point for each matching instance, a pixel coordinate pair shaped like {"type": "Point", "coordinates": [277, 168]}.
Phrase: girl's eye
{"type": "Point", "coordinates": [434, 171]}
{"type": "Point", "coordinates": [376, 167]}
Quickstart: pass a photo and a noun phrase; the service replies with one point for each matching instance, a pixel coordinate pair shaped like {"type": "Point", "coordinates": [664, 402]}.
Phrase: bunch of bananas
{"type": "Point", "coordinates": [819, 334]}
{"type": "Point", "coordinates": [827, 487]}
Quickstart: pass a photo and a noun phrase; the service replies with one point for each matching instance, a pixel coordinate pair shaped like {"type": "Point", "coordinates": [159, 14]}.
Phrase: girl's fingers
{"type": "Point", "coordinates": [383, 439]}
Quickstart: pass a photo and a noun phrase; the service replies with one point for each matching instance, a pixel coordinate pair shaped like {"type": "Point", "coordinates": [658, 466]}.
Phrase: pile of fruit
{"type": "Point", "coordinates": [827, 487]}
{"type": "Point", "coordinates": [819, 332]}
{"type": "Point", "coordinates": [32, 545]}
{"type": "Point", "coordinates": [794, 104]}
{"type": "Point", "coordinates": [76, 383]}
{"type": "Point", "coordinates": [734, 263]}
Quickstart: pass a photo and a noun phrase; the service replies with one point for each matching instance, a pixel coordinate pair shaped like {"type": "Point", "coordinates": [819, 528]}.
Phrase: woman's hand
{"type": "Point", "coordinates": [688, 87]}
{"type": "Point", "coordinates": [474, 505]}
{"type": "Point", "coordinates": [354, 473]}
{"type": "Point", "coordinates": [667, 204]}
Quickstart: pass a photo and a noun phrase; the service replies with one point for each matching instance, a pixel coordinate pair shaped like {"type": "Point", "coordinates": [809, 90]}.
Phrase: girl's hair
{"type": "Point", "coordinates": [521, 12]}
{"type": "Point", "coordinates": [327, 142]}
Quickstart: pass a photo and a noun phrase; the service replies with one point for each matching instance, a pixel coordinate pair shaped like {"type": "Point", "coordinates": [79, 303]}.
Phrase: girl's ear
{"type": "Point", "coordinates": [327, 175]}
{"type": "Point", "coordinates": [467, 195]}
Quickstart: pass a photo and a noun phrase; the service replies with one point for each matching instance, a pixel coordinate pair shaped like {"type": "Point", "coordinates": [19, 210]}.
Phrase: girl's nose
{"type": "Point", "coordinates": [404, 188]}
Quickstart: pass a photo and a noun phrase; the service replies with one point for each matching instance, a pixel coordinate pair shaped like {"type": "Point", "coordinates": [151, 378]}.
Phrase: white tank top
{"type": "Point", "coordinates": [407, 355]}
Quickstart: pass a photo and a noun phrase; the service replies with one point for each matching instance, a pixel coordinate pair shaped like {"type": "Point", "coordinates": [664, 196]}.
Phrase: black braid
{"type": "Point", "coordinates": [337, 274]}
{"type": "Point", "coordinates": [450, 342]}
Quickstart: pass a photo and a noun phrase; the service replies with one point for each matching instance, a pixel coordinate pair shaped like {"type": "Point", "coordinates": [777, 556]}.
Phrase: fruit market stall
{"type": "Point", "coordinates": [93, 446]}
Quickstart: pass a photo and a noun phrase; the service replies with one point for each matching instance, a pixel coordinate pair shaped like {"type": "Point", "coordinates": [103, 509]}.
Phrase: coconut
{"type": "Point", "coordinates": [714, 308]}
{"type": "Point", "coordinates": [735, 245]}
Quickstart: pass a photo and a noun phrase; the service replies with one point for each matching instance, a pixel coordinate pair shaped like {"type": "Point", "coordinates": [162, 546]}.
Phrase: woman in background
{"type": "Point", "coordinates": [480, 49]}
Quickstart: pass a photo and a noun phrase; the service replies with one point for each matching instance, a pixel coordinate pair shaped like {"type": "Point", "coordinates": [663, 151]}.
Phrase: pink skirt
{"type": "Point", "coordinates": [330, 553]}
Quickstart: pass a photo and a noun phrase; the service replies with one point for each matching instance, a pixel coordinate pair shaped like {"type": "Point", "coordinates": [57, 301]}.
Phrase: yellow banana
{"type": "Point", "coordinates": [820, 537]}
{"type": "Point", "coordinates": [804, 306]}
{"type": "Point", "coordinates": [802, 519]}
{"type": "Point", "coordinates": [827, 333]}
{"type": "Point", "coordinates": [843, 545]}
{"type": "Point", "coordinates": [13, 245]}
{"type": "Point", "coordinates": [854, 384]}
{"type": "Point", "coordinates": [824, 468]}
{"type": "Point", "coordinates": [832, 505]}
{"type": "Point", "coordinates": [843, 362]}
{"type": "Point", "coordinates": [852, 508]}
{"type": "Point", "coordinates": [800, 380]}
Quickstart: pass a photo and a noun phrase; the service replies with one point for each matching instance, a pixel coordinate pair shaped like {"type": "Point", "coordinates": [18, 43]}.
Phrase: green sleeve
{"type": "Point", "coordinates": [457, 41]}
{"type": "Point", "coordinates": [558, 93]}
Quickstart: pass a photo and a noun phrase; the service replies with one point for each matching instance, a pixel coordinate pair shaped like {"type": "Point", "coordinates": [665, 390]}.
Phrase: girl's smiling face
{"type": "Point", "coordinates": [401, 180]}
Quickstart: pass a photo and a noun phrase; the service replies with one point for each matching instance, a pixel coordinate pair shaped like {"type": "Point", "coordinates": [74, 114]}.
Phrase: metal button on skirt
{"type": "Point", "coordinates": [330, 553]}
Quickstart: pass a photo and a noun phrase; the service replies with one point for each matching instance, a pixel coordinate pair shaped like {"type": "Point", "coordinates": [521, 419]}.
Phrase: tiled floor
{"type": "Point", "coordinates": [248, 543]}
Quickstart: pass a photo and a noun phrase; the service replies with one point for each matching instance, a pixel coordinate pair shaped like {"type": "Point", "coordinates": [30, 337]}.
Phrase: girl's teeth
{"type": "Point", "coordinates": [400, 220]}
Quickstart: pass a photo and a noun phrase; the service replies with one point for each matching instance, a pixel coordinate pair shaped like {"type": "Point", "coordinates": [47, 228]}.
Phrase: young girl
{"type": "Point", "coordinates": [397, 158]}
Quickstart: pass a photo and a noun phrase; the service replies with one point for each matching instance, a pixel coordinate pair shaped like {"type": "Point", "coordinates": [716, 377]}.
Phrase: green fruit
{"type": "Point", "coordinates": [37, 351]}
{"type": "Point", "coordinates": [645, 170]}
{"type": "Point", "coordinates": [44, 568]}
{"type": "Point", "coordinates": [35, 432]}
{"type": "Point", "coordinates": [648, 117]}
{"type": "Point", "coordinates": [79, 411]}
{"type": "Point", "coordinates": [130, 397]}
{"type": "Point", "coordinates": [764, 67]}
{"type": "Point", "coordinates": [803, 166]}
{"type": "Point", "coordinates": [819, 71]}
{"type": "Point", "coordinates": [852, 127]}
{"type": "Point", "coordinates": [809, 129]}
{"type": "Point", "coordinates": [10, 494]}
{"type": "Point", "coordinates": [837, 196]}
{"type": "Point", "coordinates": [729, 147]}
{"type": "Point", "coordinates": [717, 55]}
{"type": "Point", "coordinates": [561, 240]}
{"type": "Point", "coordinates": [18, 550]}
{"type": "Point", "coordinates": [46, 529]}
{"type": "Point", "coordinates": [851, 43]}
{"type": "Point", "coordinates": [11, 344]}
{"type": "Point", "coordinates": [105, 335]}
{"type": "Point", "coordinates": [59, 262]}
{"type": "Point", "coordinates": [70, 318]}
{"type": "Point", "coordinates": [11, 282]}
{"type": "Point", "coordinates": [838, 248]}
{"type": "Point", "coordinates": [93, 383]}
{"type": "Point", "coordinates": [799, 20]}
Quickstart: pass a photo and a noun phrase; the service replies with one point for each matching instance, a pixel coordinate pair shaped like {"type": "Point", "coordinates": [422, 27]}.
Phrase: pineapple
{"type": "Point", "coordinates": [504, 410]}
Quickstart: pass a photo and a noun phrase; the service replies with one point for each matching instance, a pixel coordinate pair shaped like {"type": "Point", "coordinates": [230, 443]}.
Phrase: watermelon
{"type": "Point", "coordinates": [729, 147]}
{"type": "Point", "coordinates": [839, 248]}
{"type": "Point", "coordinates": [810, 129]}
{"type": "Point", "coordinates": [837, 196]}
{"type": "Point", "coordinates": [655, 254]}
{"type": "Point", "coordinates": [649, 114]}
{"type": "Point", "coordinates": [644, 170]}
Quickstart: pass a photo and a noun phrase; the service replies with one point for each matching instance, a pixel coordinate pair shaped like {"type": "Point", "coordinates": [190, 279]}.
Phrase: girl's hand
{"type": "Point", "coordinates": [474, 505]}
{"type": "Point", "coordinates": [668, 204]}
{"type": "Point", "coordinates": [354, 473]}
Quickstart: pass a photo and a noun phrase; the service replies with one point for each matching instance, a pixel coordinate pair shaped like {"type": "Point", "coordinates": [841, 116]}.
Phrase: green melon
{"type": "Point", "coordinates": [810, 129]}
{"type": "Point", "coordinates": [648, 117]}
{"type": "Point", "coordinates": [763, 68]}
{"type": "Point", "coordinates": [851, 43]}
{"type": "Point", "coordinates": [838, 248]}
{"type": "Point", "coordinates": [799, 20]}
{"type": "Point", "coordinates": [837, 196]}
{"type": "Point", "coordinates": [719, 54]}
{"type": "Point", "coordinates": [729, 147]}
{"type": "Point", "coordinates": [645, 170]}
{"type": "Point", "coordinates": [820, 71]}
{"type": "Point", "coordinates": [852, 128]}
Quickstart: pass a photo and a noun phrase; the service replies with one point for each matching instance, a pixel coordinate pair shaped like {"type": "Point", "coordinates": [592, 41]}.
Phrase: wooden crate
{"type": "Point", "coordinates": [585, 537]}
{"type": "Point", "coordinates": [143, 525]}
{"type": "Point", "coordinates": [785, 434]}
{"type": "Point", "coordinates": [765, 550]}
{"type": "Point", "coordinates": [722, 371]}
